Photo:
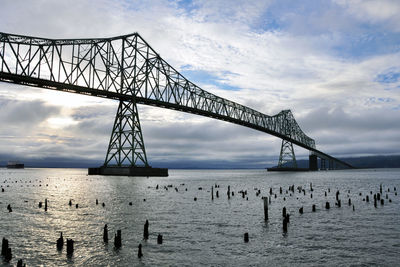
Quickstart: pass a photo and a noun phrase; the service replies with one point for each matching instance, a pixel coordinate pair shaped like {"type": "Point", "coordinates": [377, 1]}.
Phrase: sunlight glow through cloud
{"type": "Point", "coordinates": [335, 64]}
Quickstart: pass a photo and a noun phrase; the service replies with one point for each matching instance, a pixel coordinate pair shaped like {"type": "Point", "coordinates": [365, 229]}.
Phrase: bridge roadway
{"type": "Point", "coordinates": [126, 68]}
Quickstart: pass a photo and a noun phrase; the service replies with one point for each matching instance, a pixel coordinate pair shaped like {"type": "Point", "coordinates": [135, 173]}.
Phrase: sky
{"type": "Point", "coordinates": [335, 64]}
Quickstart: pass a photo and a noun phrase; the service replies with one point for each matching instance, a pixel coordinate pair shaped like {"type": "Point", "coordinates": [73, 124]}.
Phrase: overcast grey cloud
{"type": "Point", "coordinates": [335, 64]}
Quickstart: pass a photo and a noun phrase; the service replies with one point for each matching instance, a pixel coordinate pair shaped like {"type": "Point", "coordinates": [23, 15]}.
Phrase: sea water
{"type": "Point", "coordinates": [204, 232]}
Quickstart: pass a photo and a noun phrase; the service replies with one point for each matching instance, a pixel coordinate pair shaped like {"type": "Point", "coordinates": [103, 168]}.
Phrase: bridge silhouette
{"type": "Point", "coordinates": [127, 69]}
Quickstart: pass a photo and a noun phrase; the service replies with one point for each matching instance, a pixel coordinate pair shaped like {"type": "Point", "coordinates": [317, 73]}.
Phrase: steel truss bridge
{"type": "Point", "coordinates": [127, 69]}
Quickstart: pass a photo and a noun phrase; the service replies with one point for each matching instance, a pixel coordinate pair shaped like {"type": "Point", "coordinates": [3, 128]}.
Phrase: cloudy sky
{"type": "Point", "coordinates": [335, 64]}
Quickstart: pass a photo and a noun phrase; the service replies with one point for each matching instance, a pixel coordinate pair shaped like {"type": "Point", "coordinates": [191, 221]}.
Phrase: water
{"type": "Point", "coordinates": [201, 232]}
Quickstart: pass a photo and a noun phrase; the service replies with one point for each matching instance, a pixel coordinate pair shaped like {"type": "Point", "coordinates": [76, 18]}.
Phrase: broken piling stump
{"type": "Point", "coordinates": [118, 239]}
{"type": "Point", "coordinates": [146, 230]}
{"type": "Point", "coordinates": [159, 239]}
{"type": "Point", "coordinates": [60, 242]}
{"type": "Point", "coordinates": [140, 254]}
{"type": "Point", "coordinates": [246, 237]}
{"type": "Point", "coordinates": [265, 208]}
{"type": "Point", "coordinates": [105, 234]}
{"type": "Point", "coordinates": [70, 246]}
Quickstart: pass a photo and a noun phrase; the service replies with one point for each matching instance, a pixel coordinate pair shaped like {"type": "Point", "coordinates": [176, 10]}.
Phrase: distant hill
{"type": "Point", "coordinates": [359, 162]}
{"type": "Point", "coordinates": [365, 162]}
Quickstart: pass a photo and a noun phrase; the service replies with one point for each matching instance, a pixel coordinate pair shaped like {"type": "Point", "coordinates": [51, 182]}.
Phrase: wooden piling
{"type": "Point", "coordinates": [284, 212]}
{"type": "Point", "coordinates": [265, 208]}
{"type": "Point", "coordinates": [146, 230]}
{"type": "Point", "coordinates": [70, 246]}
{"type": "Point", "coordinates": [20, 263]}
{"type": "Point", "coordinates": [284, 225]}
{"type": "Point", "coordinates": [246, 237]}
{"type": "Point", "coordinates": [8, 255]}
{"type": "Point", "coordinates": [327, 205]}
{"type": "Point", "coordinates": [140, 254]}
{"type": "Point", "coordinates": [159, 239]}
{"type": "Point", "coordinates": [301, 210]}
{"type": "Point", "coordinates": [105, 234]}
{"type": "Point", "coordinates": [60, 242]}
{"type": "Point", "coordinates": [313, 208]}
{"type": "Point", "coordinates": [229, 192]}
{"type": "Point", "coordinates": [118, 239]}
{"type": "Point", "coordinates": [212, 193]}
{"type": "Point", "coordinates": [45, 204]}
{"type": "Point", "coordinates": [4, 246]}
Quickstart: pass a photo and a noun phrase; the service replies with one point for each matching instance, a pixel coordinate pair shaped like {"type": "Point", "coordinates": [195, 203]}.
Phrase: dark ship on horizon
{"type": "Point", "coordinates": [15, 165]}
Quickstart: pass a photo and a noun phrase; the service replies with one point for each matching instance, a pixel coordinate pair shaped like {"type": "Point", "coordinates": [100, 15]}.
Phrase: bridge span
{"type": "Point", "coordinates": [127, 69]}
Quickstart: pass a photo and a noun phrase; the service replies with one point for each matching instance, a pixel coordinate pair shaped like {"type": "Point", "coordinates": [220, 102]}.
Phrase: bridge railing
{"type": "Point", "coordinates": [128, 66]}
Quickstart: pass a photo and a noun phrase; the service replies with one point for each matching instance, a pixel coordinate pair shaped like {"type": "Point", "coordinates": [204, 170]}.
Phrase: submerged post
{"type": "Point", "coordinates": [265, 208]}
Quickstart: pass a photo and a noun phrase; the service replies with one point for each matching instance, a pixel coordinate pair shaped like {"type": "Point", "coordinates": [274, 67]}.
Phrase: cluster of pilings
{"type": "Point", "coordinates": [378, 199]}
{"type": "Point", "coordinates": [6, 253]}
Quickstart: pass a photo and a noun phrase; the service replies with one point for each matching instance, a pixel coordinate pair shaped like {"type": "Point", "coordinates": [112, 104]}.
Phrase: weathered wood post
{"type": "Point", "coordinates": [60, 242]}
{"type": "Point", "coordinates": [313, 207]}
{"type": "Point", "coordinates": [229, 192]}
{"type": "Point", "coordinates": [284, 212]}
{"type": "Point", "coordinates": [8, 255]}
{"type": "Point", "coordinates": [212, 193]}
{"type": "Point", "coordinates": [45, 204]}
{"type": "Point", "coordinates": [70, 246]}
{"type": "Point", "coordinates": [146, 230]}
{"type": "Point", "coordinates": [140, 254]}
{"type": "Point", "coordinates": [301, 210]}
{"type": "Point", "coordinates": [327, 205]}
{"type": "Point", "coordinates": [4, 246]}
{"type": "Point", "coordinates": [159, 239]}
{"type": "Point", "coordinates": [284, 225]}
{"type": "Point", "coordinates": [265, 208]}
{"type": "Point", "coordinates": [118, 239]}
{"type": "Point", "coordinates": [105, 233]}
{"type": "Point", "coordinates": [246, 237]}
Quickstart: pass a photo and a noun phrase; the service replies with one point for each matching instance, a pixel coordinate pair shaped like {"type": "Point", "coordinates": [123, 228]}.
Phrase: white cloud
{"type": "Point", "coordinates": [374, 11]}
{"type": "Point", "coordinates": [274, 69]}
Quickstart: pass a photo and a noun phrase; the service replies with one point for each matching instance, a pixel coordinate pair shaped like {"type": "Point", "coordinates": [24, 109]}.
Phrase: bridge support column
{"type": "Point", "coordinates": [331, 166]}
{"type": "Point", "coordinates": [323, 164]}
{"type": "Point", "coordinates": [287, 158]}
{"type": "Point", "coordinates": [126, 154]}
{"type": "Point", "coordinates": [313, 162]}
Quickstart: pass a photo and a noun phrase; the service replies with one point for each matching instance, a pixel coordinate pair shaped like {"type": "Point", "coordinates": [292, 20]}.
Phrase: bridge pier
{"type": "Point", "coordinates": [313, 162]}
{"type": "Point", "coordinates": [323, 164]}
{"type": "Point", "coordinates": [126, 154]}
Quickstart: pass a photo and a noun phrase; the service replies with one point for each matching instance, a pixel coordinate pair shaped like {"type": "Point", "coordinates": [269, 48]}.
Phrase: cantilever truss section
{"type": "Point", "coordinates": [126, 148]}
{"type": "Point", "coordinates": [124, 67]}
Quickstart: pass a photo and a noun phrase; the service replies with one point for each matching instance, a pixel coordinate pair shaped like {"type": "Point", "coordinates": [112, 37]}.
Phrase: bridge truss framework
{"type": "Point", "coordinates": [127, 69]}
